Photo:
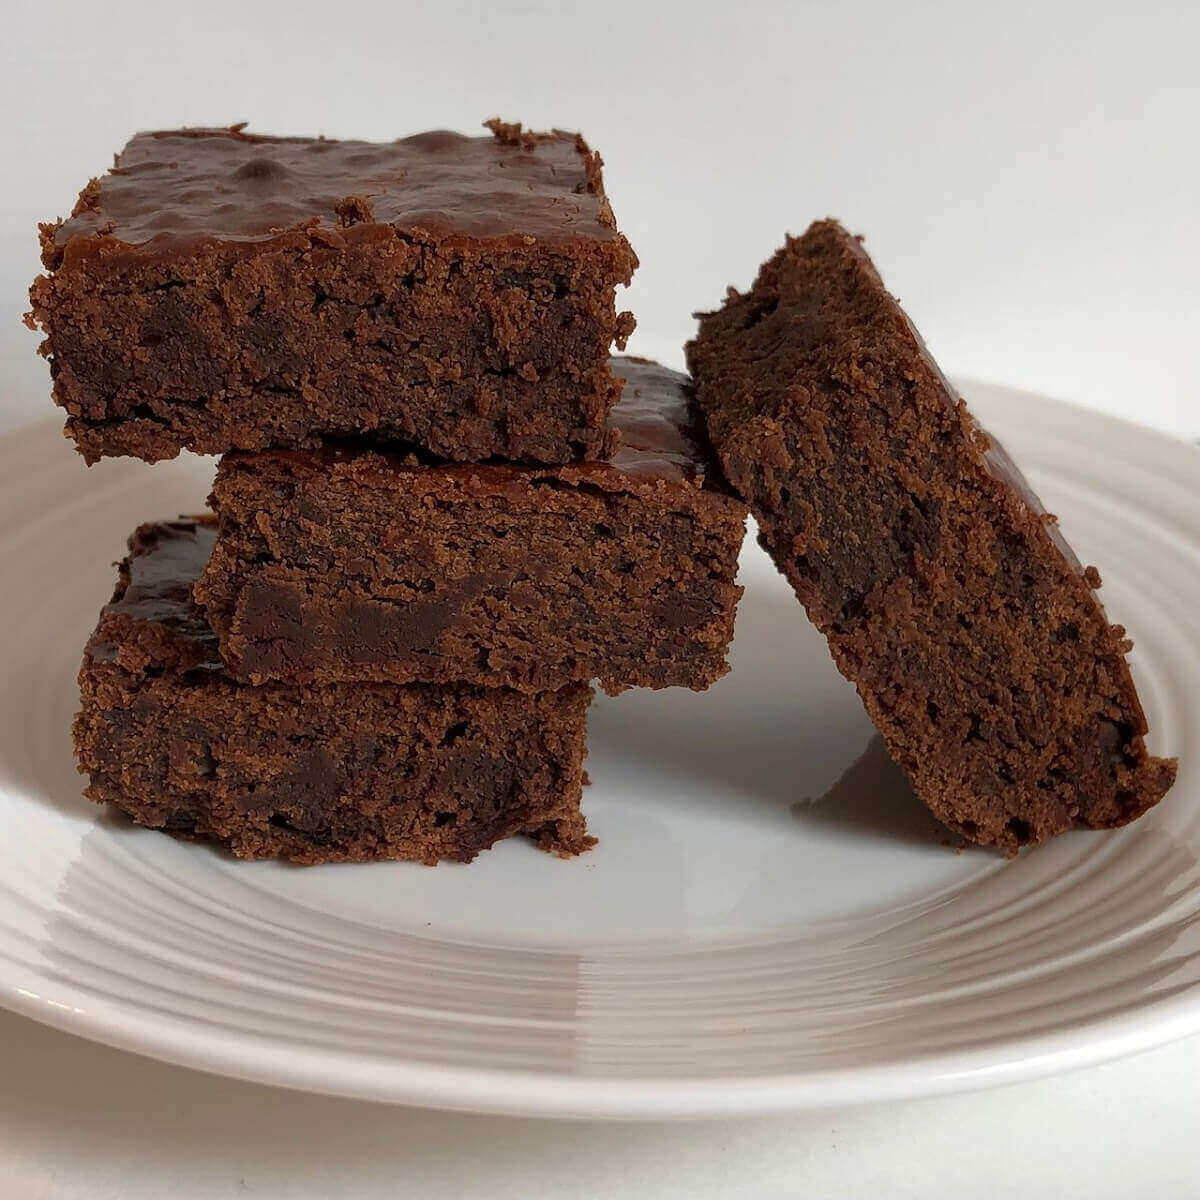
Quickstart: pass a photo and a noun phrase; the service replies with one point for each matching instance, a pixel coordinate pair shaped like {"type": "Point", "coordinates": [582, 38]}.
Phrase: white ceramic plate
{"type": "Point", "coordinates": [770, 920]}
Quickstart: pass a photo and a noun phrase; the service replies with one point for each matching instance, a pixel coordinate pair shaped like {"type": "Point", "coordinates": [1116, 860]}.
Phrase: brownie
{"type": "Point", "coordinates": [220, 290]}
{"type": "Point", "coordinates": [946, 592]}
{"type": "Point", "coordinates": [313, 774]}
{"type": "Point", "coordinates": [347, 564]}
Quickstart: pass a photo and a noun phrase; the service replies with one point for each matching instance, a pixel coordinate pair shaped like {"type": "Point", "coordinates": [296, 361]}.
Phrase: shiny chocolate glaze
{"type": "Point", "coordinates": [175, 191]}
{"type": "Point", "coordinates": [165, 560]}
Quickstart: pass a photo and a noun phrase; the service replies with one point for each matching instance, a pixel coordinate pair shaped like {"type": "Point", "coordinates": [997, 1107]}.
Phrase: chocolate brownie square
{"type": "Point", "coordinates": [313, 774]}
{"type": "Point", "coordinates": [222, 290]}
{"type": "Point", "coordinates": [947, 593]}
{"type": "Point", "coordinates": [343, 564]}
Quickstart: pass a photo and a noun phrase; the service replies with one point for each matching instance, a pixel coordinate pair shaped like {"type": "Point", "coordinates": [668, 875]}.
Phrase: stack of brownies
{"type": "Point", "coordinates": [442, 510]}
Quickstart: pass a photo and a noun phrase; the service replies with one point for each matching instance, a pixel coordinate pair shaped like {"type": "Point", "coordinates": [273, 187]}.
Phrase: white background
{"type": "Point", "coordinates": [1028, 180]}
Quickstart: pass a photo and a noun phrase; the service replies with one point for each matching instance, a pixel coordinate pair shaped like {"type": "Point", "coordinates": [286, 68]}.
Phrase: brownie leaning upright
{"type": "Point", "coordinates": [946, 592]}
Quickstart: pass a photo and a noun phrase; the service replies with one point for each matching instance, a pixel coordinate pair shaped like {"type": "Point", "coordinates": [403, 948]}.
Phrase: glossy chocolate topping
{"type": "Point", "coordinates": [657, 423]}
{"type": "Point", "coordinates": [173, 190]}
{"type": "Point", "coordinates": [165, 559]}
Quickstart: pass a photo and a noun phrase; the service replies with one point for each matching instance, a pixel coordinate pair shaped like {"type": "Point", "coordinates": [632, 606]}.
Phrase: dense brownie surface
{"type": "Point", "coordinates": [313, 774]}
{"type": "Point", "coordinates": [220, 290]}
{"type": "Point", "coordinates": [947, 594]}
{"type": "Point", "coordinates": [344, 564]}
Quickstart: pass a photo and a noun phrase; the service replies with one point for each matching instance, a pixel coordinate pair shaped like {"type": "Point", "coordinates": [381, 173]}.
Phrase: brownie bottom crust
{"type": "Point", "coordinates": [315, 774]}
{"type": "Point", "coordinates": [557, 419]}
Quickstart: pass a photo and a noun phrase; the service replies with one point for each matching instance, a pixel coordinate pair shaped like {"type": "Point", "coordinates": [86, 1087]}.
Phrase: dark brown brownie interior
{"type": "Point", "coordinates": [320, 774]}
{"type": "Point", "coordinates": [345, 564]}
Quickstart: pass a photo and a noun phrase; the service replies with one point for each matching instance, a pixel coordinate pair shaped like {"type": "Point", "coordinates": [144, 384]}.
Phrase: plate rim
{"type": "Point", "coordinates": [253, 1059]}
